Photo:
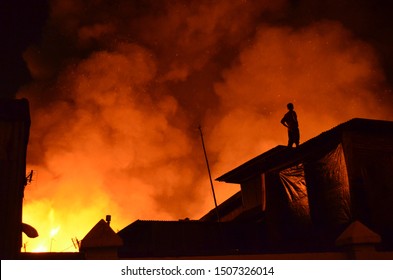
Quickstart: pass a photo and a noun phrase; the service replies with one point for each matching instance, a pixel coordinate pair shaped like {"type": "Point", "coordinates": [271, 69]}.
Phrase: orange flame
{"type": "Point", "coordinates": [114, 124]}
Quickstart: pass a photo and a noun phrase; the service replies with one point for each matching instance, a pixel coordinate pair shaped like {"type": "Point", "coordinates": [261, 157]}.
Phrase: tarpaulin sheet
{"type": "Point", "coordinates": [328, 189]}
{"type": "Point", "coordinates": [287, 215]}
{"type": "Point", "coordinates": [295, 188]}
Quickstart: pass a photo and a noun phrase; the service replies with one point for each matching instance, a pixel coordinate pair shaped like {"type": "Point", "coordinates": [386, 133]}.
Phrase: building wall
{"type": "Point", "coordinates": [14, 133]}
{"type": "Point", "coordinates": [305, 205]}
{"type": "Point", "coordinates": [370, 168]}
{"type": "Point", "coordinates": [253, 193]}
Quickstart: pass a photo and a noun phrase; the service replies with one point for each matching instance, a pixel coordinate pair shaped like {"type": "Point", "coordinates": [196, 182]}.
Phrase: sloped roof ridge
{"type": "Point", "coordinates": [321, 141]}
{"type": "Point", "coordinates": [101, 235]}
{"type": "Point", "coordinates": [351, 124]}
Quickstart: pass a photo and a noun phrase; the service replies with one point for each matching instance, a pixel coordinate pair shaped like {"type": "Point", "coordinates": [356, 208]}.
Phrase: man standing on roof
{"type": "Point", "coordinates": [290, 121]}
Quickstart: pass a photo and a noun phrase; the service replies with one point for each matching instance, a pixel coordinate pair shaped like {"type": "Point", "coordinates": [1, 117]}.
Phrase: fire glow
{"type": "Point", "coordinates": [115, 110]}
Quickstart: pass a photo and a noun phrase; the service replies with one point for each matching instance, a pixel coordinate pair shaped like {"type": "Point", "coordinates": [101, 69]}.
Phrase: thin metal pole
{"type": "Point", "coordinates": [210, 176]}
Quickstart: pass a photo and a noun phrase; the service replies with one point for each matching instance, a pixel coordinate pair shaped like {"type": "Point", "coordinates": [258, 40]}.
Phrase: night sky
{"type": "Point", "coordinates": [22, 22]}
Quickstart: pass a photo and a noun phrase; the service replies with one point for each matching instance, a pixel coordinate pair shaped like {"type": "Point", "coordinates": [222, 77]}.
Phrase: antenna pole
{"type": "Point", "coordinates": [210, 176]}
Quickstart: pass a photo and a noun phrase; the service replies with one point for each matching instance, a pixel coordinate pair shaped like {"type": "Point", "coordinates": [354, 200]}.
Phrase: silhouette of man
{"type": "Point", "coordinates": [290, 121]}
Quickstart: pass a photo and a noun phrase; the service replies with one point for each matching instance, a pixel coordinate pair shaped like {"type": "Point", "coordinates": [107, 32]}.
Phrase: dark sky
{"type": "Point", "coordinates": [21, 23]}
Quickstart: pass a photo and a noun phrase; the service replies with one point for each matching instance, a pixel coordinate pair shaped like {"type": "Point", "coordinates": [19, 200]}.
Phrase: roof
{"type": "Point", "coordinates": [358, 233]}
{"type": "Point", "coordinates": [187, 238]}
{"type": "Point", "coordinates": [283, 156]}
{"type": "Point", "coordinates": [101, 235]}
{"type": "Point", "coordinates": [225, 208]}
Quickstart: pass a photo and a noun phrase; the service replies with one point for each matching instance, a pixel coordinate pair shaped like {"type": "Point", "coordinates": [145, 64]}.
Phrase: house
{"type": "Point", "coordinates": [307, 196]}
{"type": "Point", "coordinates": [101, 242]}
{"type": "Point", "coordinates": [292, 200]}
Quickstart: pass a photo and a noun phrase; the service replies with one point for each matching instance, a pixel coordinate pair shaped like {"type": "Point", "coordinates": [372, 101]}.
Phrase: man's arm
{"type": "Point", "coordinates": [284, 122]}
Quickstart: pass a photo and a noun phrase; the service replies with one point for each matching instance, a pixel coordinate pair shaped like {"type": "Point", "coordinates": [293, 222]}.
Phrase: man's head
{"type": "Point", "coordinates": [290, 106]}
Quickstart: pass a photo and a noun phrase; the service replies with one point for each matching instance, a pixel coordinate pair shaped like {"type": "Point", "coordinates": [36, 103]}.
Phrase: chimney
{"type": "Point", "coordinates": [108, 219]}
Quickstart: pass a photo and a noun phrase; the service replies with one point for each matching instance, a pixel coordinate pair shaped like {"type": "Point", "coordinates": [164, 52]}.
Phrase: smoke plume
{"type": "Point", "coordinates": [120, 88]}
